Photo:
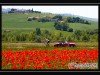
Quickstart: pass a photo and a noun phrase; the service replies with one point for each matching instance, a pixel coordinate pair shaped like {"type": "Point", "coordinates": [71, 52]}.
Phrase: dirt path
{"type": "Point", "coordinates": [24, 45]}
{"type": "Point", "coordinates": [30, 43]}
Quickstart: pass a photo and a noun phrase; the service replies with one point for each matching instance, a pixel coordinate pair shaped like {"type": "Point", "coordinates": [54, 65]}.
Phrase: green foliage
{"type": "Point", "coordinates": [38, 31]}
{"type": "Point", "coordinates": [58, 26]}
{"type": "Point", "coordinates": [77, 20]}
{"type": "Point", "coordinates": [43, 20]}
{"type": "Point", "coordinates": [46, 32]}
{"type": "Point", "coordinates": [78, 32]}
{"type": "Point", "coordinates": [78, 35]}
{"type": "Point", "coordinates": [61, 26]}
{"type": "Point", "coordinates": [29, 19]}
{"type": "Point", "coordinates": [69, 39]}
{"type": "Point", "coordinates": [81, 35]}
{"type": "Point", "coordinates": [60, 34]}
{"type": "Point", "coordinates": [38, 39]}
{"type": "Point", "coordinates": [87, 22]}
{"type": "Point", "coordinates": [70, 30]}
{"type": "Point", "coordinates": [65, 26]}
{"type": "Point", "coordinates": [85, 38]}
{"type": "Point", "coordinates": [59, 17]}
{"type": "Point", "coordinates": [91, 32]}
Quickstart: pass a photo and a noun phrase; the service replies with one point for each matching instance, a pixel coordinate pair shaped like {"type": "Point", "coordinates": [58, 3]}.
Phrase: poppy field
{"type": "Point", "coordinates": [55, 59]}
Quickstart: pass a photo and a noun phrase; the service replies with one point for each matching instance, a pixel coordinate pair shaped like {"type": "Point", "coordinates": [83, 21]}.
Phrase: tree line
{"type": "Point", "coordinates": [70, 19]}
{"type": "Point", "coordinates": [62, 26]}
{"type": "Point", "coordinates": [39, 36]}
{"type": "Point", "coordinates": [77, 20]}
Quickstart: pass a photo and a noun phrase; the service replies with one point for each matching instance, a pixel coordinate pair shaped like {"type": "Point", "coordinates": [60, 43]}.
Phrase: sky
{"type": "Point", "coordinates": [86, 11]}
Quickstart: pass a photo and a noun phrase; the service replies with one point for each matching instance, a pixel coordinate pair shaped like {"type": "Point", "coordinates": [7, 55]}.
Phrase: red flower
{"type": "Point", "coordinates": [14, 67]}
{"type": "Point", "coordinates": [39, 59]}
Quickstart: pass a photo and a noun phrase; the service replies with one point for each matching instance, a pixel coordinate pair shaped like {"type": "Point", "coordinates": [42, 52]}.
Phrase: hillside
{"type": "Point", "coordinates": [19, 27]}
{"type": "Point", "coordinates": [17, 21]}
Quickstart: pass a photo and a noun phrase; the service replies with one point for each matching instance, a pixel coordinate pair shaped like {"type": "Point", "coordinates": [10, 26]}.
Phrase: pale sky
{"type": "Point", "coordinates": [90, 11]}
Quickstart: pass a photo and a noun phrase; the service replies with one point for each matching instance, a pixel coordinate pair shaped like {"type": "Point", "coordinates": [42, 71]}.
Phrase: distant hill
{"type": "Point", "coordinates": [65, 14]}
{"type": "Point", "coordinates": [87, 18]}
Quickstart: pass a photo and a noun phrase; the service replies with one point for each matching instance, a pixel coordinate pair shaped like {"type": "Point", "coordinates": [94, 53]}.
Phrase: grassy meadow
{"type": "Point", "coordinates": [18, 21]}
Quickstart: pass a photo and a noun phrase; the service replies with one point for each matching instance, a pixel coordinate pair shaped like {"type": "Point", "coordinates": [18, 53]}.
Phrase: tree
{"type": "Point", "coordinates": [65, 26]}
{"type": "Point", "coordinates": [87, 22]}
{"type": "Point", "coordinates": [85, 38]}
{"type": "Point", "coordinates": [43, 20]}
{"type": "Point", "coordinates": [69, 19]}
{"type": "Point", "coordinates": [77, 32]}
{"type": "Point", "coordinates": [58, 25]}
{"type": "Point", "coordinates": [38, 39]}
{"type": "Point", "coordinates": [59, 17]}
{"type": "Point", "coordinates": [46, 32]}
{"type": "Point", "coordinates": [81, 21]}
{"type": "Point", "coordinates": [77, 19]}
{"type": "Point", "coordinates": [61, 26]}
{"type": "Point", "coordinates": [70, 29]}
{"type": "Point", "coordinates": [38, 31]}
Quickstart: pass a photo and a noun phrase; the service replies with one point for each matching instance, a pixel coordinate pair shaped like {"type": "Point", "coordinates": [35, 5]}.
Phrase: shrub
{"type": "Point", "coordinates": [29, 19]}
{"type": "Point", "coordinates": [70, 30]}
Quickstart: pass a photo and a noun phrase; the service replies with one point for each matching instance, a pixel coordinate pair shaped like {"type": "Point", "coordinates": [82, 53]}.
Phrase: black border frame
{"type": "Point", "coordinates": [51, 1]}
{"type": "Point", "coordinates": [63, 4]}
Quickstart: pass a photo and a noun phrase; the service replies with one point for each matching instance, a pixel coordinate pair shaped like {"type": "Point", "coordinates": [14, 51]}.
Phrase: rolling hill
{"type": "Point", "coordinates": [17, 24]}
{"type": "Point", "coordinates": [19, 21]}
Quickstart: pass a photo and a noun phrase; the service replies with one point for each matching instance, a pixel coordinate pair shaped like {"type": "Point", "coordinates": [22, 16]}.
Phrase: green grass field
{"type": "Point", "coordinates": [17, 23]}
